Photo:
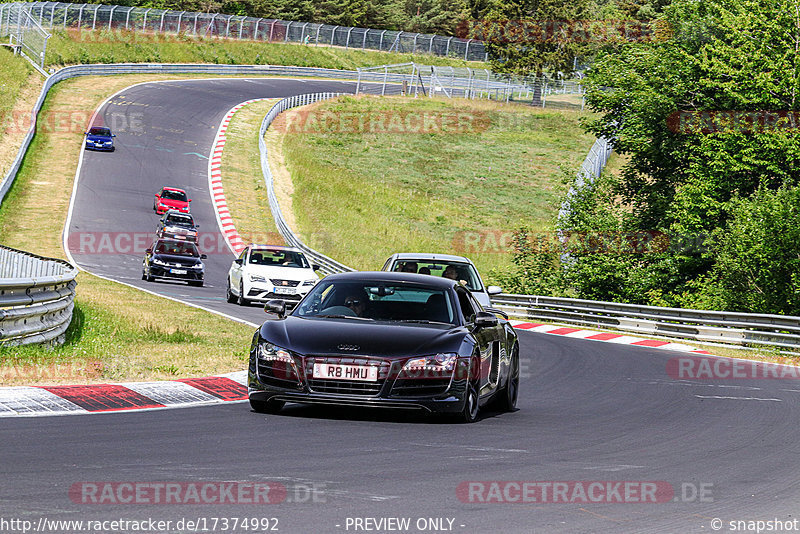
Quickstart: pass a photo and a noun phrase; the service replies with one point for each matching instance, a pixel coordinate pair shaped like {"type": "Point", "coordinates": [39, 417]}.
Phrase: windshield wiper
{"type": "Point", "coordinates": [344, 317]}
{"type": "Point", "coordinates": [422, 321]}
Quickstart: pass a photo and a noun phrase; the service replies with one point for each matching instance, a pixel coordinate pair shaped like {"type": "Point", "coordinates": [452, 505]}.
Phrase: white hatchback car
{"type": "Point", "coordinates": [266, 272]}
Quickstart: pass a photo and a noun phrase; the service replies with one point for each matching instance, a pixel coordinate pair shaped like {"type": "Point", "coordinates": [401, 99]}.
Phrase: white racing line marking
{"type": "Point", "coordinates": [736, 398]}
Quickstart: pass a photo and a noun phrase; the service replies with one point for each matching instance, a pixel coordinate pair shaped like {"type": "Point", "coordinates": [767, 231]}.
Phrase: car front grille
{"type": "Point", "coordinates": [346, 387]}
{"type": "Point", "coordinates": [284, 283]}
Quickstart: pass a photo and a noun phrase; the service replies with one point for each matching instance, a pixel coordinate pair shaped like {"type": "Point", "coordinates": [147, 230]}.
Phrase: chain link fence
{"type": "Point", "coordinates": [456, 82]}
{"type": "Point", "coordinates": [148, 20]}
{"type": "Point", "coordinates": [24, 32]}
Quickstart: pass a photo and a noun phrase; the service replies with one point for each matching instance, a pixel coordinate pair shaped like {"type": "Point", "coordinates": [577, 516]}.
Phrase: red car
{"type": "Point", "coordinates": [171, 198]}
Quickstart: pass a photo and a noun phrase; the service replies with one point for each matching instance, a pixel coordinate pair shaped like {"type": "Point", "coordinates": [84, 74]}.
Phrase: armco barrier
{"type": "Point", "coordinates": [327, 265]}
{"type": "Point", "coordinates": [781, 331]}
{"type": "Point", "coordinates": [36, 297]}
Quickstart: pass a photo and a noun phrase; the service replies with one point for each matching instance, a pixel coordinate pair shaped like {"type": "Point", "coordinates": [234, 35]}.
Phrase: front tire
{"type": "Point", "coordinates": [241, 300]}
{"type": "Point", "coordinates": [229, 296]}
{"type": "Point", "coordinates": [270, 407]}
{"type": "Point", "coordinates": [469, 414]}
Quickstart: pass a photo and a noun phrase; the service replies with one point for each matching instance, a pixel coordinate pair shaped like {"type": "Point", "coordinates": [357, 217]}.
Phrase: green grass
{"type": "Point", "coordinates": [71, 47]}
{"type": "Point", "coordinates": [367, 195]}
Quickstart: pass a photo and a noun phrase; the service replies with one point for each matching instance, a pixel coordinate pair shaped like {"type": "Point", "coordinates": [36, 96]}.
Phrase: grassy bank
{"type": "Point", "coordinates": [369, 193]}
{"type": "Point", "coordinates": [118, 333]}
{"type": "Point", "coordinates": [73, 46]}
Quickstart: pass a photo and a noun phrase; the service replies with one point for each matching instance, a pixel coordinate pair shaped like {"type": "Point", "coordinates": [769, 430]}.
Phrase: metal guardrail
{"type": "Point", "coordinates": [148, 20]}
{"type": "Point", "coordinates": [36, 298]}
{"type": "Point", "coordinates": [734, 328]}
{"type": "Point", "coordinates": [327, 265]}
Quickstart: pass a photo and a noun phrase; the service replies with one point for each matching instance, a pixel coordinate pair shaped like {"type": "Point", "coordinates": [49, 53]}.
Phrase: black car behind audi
{"type": "Point", "coordinates": [171, 259]}
{"type": "Point", "coordinates": [386, 339]}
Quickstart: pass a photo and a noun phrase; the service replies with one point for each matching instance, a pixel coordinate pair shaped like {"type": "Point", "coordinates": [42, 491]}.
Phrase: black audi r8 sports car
{"type": "Point", "coordinates": [386, 339]}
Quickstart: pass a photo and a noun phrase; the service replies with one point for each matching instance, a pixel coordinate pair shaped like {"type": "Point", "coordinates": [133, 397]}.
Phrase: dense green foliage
{"type": "Point", "coordinates": [718, 192]}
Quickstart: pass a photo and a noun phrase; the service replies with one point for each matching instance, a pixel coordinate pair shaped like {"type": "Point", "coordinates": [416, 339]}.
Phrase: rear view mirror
{"type": "Point", "coordinates": [485, 319]}
{"type": "Point", "coordinates": [278, 307]}
{"type": "Point", "coordinates": [494, 290]}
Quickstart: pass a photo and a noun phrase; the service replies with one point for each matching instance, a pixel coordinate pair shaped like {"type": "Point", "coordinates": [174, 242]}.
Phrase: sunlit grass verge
{"type": "Point", "coordinates": [358, 197]}
{"type": "Point", "coordinates": [119, 333]}
{"type": "Point", "coordinates": [74, 46]}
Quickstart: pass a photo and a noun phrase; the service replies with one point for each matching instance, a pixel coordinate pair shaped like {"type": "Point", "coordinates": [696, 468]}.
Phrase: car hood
{"type": "Point", "coordinates": [309, 336]}
{"type": "Point", "coordinates": [179, 229]}
{"type": "Point", "coordinates": [95, 138]}
{"type": "Point", "coordinates": [170, 202]}
{"type": "Point", "coordinates": [281, 273]}
{"type": "Point", "coordinates": [183, 260]}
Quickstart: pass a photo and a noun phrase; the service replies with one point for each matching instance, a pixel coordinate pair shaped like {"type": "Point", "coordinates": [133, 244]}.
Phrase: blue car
{"type": "Point", "coordinates": [99, 138]}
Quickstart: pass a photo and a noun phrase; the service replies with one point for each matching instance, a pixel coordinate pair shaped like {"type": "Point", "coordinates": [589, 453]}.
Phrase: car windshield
{"type": "Point", "coordinates": [173, 195]}
{"type": "Point", "coordinates": [100, 131]}
{"type": "Point", "coordinates": [177, 248]}
{"type": "Point", "coordinates": [278, 258]}
{"type": "Point", "coordinates": [180, 220]}
{"type": "Point", "coordinates": [454, 270]}
{"type": "Point", "coordinates": [378, 301]}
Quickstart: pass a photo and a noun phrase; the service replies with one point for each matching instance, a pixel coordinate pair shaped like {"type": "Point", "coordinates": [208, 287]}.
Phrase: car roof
{"type": "Point", "coordinates": [165, 188]}
{"type": "Point", "coordinates": [392, 277]}
{"type": "Point", "coordinates": [425, 256]}
{"type": "Point", "coordinates": [176, 212]}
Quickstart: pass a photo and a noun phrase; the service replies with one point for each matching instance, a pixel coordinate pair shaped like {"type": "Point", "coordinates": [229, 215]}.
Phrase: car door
{"type": "Point", "coordinates": [487, 338]}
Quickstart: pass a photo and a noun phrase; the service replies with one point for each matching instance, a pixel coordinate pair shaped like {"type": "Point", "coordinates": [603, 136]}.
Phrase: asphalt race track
{"type": "Point", "coordinates": [588, 411]}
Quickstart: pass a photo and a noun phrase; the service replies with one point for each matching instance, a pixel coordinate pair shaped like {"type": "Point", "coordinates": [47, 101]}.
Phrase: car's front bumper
{"type": "Point", "coordinates": [261, 292]}
{"type": "Point", "coordinates": [103, 147]}
{"type": "Point", "coordinates": [445, 397]}
{"type": "Point", "coordinates": [166, 273]}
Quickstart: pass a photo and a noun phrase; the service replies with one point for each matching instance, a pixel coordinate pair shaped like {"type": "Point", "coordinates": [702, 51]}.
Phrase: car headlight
{"type": "Point", "coordinates": [267, 352]}
{"type": "Point", "coordinates": [199, 265]}
{"type": "Point", "coordinates": [311, 282]}
{"type": "Point", "coordinates": [439, 362]}
{"type": "Point", "coordinates": [159, 262]}
{"type": "Point", "coordinates": [257, 278]}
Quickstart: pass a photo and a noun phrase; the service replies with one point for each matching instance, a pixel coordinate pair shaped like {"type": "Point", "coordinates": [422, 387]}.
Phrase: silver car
{"type": "Point", "coordinates": [445, 265]}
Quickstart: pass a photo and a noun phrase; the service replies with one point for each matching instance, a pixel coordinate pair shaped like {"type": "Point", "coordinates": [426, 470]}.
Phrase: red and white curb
{"type": "Point", "coordinates": [608, 337]}
{"type": "Point", "coordinates": [133, 396]}
{"type": "Point", "coordinates": [218, 200]}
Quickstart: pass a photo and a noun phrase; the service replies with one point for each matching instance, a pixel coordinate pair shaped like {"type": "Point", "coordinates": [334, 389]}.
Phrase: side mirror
{"type": "Point", "coordinates": [113, 135]}
{"type": "Point", "coordinates": [189, 200]}
{"type": "Point", "coordinates": [238, 261]}
{"type": "Point", "coordinates": [485, 319]}
{"type": "Point", "coordinates": [494, 290]}
{"type": "Point", "coordinates": [315, 266]}
{"type": "Point", "coordinates": [203, 256]}
{"type": "Point", "coordinates": [149, 250]}
{"type": "Point", "coordinates": [278, 307]}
